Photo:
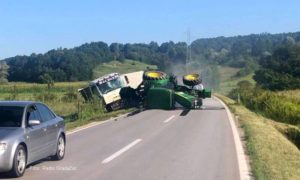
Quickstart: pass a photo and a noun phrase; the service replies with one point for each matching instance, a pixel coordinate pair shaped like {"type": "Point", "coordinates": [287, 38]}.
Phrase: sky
{"type": "Point", "coordinates": [37, 26]}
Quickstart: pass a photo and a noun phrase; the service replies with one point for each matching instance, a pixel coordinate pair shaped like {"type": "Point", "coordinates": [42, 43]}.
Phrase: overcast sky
{"type": "Point", "coordinates": [37, 26]}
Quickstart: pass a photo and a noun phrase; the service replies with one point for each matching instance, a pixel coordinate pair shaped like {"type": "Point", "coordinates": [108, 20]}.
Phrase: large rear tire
{"type": "Point", "coordinates": [19, 163]}
{"type": "Point", "coordinates": [191, 79]}
{"type": "Point", "coordinates": [154, 75]}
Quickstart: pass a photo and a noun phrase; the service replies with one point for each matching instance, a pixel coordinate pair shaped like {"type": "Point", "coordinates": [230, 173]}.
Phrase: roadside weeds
{"type": "Point", "coordinates": [272, 155]}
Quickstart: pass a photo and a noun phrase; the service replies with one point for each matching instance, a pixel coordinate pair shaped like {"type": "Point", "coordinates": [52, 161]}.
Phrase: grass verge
{"type": "Point", "coordinates": [272, 155]}
{"type": "Point", "coordinates": [100, 117]}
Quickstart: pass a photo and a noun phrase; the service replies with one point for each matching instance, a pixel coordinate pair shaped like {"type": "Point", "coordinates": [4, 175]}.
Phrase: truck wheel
{"type": "Point", "coordinates": [154, 75]}
{"type": "Point", "coordinates": [191, 79]}
{"type": "Point", "coordinates": [108, 108]}
{"type": "Point", "coordinates": [19, 163]}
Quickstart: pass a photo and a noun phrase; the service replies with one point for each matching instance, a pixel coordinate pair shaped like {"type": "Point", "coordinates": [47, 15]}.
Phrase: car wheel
{"type": "Point", "coordinates": [60, 149]}
{"type": "Point", "coordinates": [19, 163]}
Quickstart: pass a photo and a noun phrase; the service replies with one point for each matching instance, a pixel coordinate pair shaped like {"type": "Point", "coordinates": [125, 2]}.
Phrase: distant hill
{"type": "Point", "coordinates": [240, 51]}
{"type": "Point", "coordinates": [77, 64]}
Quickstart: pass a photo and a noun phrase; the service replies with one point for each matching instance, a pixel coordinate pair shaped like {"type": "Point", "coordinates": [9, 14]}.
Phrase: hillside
{"type": "Point", "coordinates": [228, 84]}
{"type": "Point", "coordinates": [120, 67]}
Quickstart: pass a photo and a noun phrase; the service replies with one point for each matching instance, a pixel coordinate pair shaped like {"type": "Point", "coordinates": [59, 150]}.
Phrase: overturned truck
{"type": "Point", "coordinates": [107, 88]}
{"type": "Point", "coordinates": [149, 89]}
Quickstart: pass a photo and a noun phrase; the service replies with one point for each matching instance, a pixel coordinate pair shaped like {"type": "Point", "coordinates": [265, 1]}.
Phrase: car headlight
{"type": "Point", "coordinates": [3, 146]}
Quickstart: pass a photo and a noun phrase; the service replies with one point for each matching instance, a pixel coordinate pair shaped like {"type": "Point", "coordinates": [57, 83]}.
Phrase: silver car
{"type": "Point", "coordinates": [29, 131]}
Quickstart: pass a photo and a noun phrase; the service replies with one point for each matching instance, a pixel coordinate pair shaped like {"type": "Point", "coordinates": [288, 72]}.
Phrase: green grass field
{"type": "Point", "coordinates": [228, 79]}
{"type": "Point", "coordinates": [57, 97]}
{"type": "Point", "coordinates": [292, 94]}
{"type": "Point", "coordinates": [121, 67]}
{"type": "Point", "coordinates": [64, 98]}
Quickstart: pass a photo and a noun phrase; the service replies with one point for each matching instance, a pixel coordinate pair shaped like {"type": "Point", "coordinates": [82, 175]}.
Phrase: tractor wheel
{"type": "Point", "coordinates": [154, 75]}
{"type": "Point", "coordinates": [191, 79]}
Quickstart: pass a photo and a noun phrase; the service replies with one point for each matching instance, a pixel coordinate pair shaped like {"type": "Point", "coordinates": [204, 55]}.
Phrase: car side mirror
{"type": "Point", "coordinates": [34, 122]}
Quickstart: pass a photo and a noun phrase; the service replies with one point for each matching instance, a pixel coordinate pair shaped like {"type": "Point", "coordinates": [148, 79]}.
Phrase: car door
{"type": "Point", "coordinates": [36, 135]}
{"type": "Point", "coordinates": [52, 127]}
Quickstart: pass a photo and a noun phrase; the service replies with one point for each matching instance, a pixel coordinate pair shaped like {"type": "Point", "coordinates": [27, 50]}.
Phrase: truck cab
{"type": "Point", "coordinates": [107, 88]}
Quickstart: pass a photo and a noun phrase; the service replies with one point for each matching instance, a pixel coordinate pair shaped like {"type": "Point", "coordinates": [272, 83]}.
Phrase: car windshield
{"type": "Point", "coordinates": [11, 116]}
{"type": "Point", "coordinates": [110, 85]}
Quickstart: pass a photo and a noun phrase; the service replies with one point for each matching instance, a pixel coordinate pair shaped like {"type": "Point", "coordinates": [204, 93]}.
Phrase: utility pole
{"type": "Point", "coordinates": [188, 50]}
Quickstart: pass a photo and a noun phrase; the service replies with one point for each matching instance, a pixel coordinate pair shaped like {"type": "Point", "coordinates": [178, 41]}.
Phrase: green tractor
{"type": "Point", "coordinates": [161, 91]}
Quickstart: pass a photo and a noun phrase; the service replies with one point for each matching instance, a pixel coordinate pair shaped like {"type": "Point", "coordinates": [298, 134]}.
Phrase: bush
{"type": "Point", "coordinates": [270, 104]}
{"type": "Point", "coordinates": [281, 70]}
{"type": "Point", "coordinates": [46, 97]}
{"type": "Point", "coordinates": [244, 72]}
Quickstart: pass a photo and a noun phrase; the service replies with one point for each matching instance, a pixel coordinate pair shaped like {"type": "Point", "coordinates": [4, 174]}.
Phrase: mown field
{"type": "Point", "coordinates": [228, 80]}
{"type": "Point", "coordinates": [121, 67]}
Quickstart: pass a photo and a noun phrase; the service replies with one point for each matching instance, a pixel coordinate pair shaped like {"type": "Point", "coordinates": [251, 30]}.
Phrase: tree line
{"type": "Point", "coordinates": [76, 64]}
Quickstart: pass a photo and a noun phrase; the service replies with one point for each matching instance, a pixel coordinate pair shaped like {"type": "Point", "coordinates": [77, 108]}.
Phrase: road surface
{"type": "Point", "coordinates": [150, 145]}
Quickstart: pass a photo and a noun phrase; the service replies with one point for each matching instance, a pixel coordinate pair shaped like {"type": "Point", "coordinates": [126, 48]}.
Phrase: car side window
{"type": "Point", "coordinates": [45, 113]}
{"type": "Point", "coordinates": [32, 114]}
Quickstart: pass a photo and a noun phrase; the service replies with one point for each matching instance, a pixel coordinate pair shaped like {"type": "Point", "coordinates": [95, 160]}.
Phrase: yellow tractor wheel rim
{"type": "Point", "coordinates": [192, 77]}
{"type": "Point", "coordinates": [154, 74]}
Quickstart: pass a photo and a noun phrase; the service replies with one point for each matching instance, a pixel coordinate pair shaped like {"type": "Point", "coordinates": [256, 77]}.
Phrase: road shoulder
{"type": "Point", "coordinates": [244, 167]}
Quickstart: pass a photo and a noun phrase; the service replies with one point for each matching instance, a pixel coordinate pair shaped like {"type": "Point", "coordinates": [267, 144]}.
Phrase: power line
{"type": "Point", "coordinates": [188, 49]}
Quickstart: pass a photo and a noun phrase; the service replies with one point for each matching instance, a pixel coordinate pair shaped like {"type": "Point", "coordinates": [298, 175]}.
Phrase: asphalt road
{"type": "Point", "coordinates": [151, 145]}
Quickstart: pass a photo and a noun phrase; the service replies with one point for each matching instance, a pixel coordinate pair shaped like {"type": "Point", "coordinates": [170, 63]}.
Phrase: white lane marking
{"type": "Point", "coordinates": [121, 151]}
{"type": "Point", "coordinates": [243, 166]}
{"type": "Point", "coordinates": [169, 119]}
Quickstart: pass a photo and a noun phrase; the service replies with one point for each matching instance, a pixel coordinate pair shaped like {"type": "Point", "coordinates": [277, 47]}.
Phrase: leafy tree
{"type": "Point", "coordinates": [281, 70]}
{"type": "Point", "coordinates": [3, 72]}
{"type": "Point", "coordinates": [47, 79]}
